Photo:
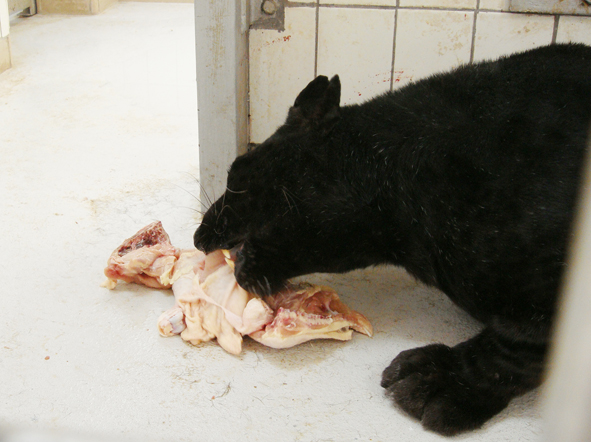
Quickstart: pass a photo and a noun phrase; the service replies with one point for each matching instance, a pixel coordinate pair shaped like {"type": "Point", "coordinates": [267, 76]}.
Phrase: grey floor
{"type": "Point", "coordinates": [99, 138]}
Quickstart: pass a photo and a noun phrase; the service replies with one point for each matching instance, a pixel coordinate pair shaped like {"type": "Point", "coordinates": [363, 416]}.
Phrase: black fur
{"type": "Point", "coordinates": [468, 179]}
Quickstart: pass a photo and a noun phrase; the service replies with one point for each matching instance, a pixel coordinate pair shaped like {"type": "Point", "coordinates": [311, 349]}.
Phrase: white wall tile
{"type": "Point", "coordinates": [430, 41]}
{"type": "Point", "coordinates": [455, 4]}
{"type": "Point", "coordinates": [281, 65]}
{"type": "Point", "coordinates": [499, 33]}
{"type": "Point", "coordinates": [495, 5]}
{"type": "Point", "coordinates": [359, 2]}
{"type": "Point", "coordinates": [576, 29]}
{"type": "Point", "coordinates": [357, 45]}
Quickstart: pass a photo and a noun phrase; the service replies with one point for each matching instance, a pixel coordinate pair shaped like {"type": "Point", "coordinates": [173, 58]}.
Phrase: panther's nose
{"type": "Point", "coordinates": [200, 239]}
{"type": "Point", "coordinates": [207, 240]}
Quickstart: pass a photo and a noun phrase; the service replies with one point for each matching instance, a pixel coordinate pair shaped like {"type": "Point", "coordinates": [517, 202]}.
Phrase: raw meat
{"type": "Point", "coordinates": [209, 303]}
{"type": "Point", "coordinates": [304, 312]}
{"type": "Point", "coordinates": [146, 258]}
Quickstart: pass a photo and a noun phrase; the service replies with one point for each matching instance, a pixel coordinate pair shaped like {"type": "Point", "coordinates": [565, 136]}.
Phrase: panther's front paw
{"type": "Point", "coordinates": [428, 384]}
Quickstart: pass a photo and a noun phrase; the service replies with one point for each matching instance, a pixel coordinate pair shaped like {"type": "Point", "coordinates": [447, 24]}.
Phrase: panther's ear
{"type": "Point", "coordinates": [318, 104]}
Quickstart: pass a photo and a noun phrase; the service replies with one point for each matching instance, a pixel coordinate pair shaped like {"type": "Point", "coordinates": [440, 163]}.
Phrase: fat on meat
{"type": "Point", "coordinates": [306, 311]}
{"type": "Point", "coordinates": [209, 303]}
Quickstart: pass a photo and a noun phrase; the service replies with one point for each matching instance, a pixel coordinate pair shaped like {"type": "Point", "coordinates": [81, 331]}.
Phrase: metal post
{"type": "Point", "coordinates": [221, 28]}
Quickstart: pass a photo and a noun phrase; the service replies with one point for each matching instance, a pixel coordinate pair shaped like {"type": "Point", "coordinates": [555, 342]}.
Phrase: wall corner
{"type": "Point", "coordinates": [5, 58]}
{"type": "Point", "coordinates": [73, 6]}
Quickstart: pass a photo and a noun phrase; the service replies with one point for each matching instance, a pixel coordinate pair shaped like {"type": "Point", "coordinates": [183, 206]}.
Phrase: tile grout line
{"type": "Point", "coordinates": [384, 7]}
{"type": "Point", "coordinates": [394, 45]}
{"type": "Point", "coordinates": [248, 115]}
{"type": "Point", "coordinates": [555, 30]}
{"type": "Point", "coordinates": [316, 39]}
{"type": "Point", "coordinates": [420, 8]}
{"type": "Point", "coordinates": [473, 42]}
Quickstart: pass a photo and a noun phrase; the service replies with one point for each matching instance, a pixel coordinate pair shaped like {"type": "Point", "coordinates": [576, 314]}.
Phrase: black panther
{"type": "Point", "coordinates": [468, 179]}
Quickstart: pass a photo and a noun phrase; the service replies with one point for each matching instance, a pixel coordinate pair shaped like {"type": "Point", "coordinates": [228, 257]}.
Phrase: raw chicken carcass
{"type": "Point", "coordinates": [209, 303]}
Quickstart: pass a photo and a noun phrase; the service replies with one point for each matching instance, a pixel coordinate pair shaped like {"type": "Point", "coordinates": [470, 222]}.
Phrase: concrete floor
{"type": "Point", "coordinates": [98, 139]}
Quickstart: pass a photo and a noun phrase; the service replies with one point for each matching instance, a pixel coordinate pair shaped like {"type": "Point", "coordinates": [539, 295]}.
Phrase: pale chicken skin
{"type": "Point", "coordinates": [210, 304]}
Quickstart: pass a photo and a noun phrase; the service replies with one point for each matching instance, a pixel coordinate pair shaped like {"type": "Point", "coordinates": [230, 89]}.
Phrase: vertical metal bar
{"type": "Point", "coordinates": [568, 390]}
{"type": "Point", "coordinates": [221, 33]}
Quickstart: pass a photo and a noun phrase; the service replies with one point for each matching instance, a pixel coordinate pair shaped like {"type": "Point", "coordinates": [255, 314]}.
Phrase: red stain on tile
{"type": "Point", "coordinates": [277, 40]}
